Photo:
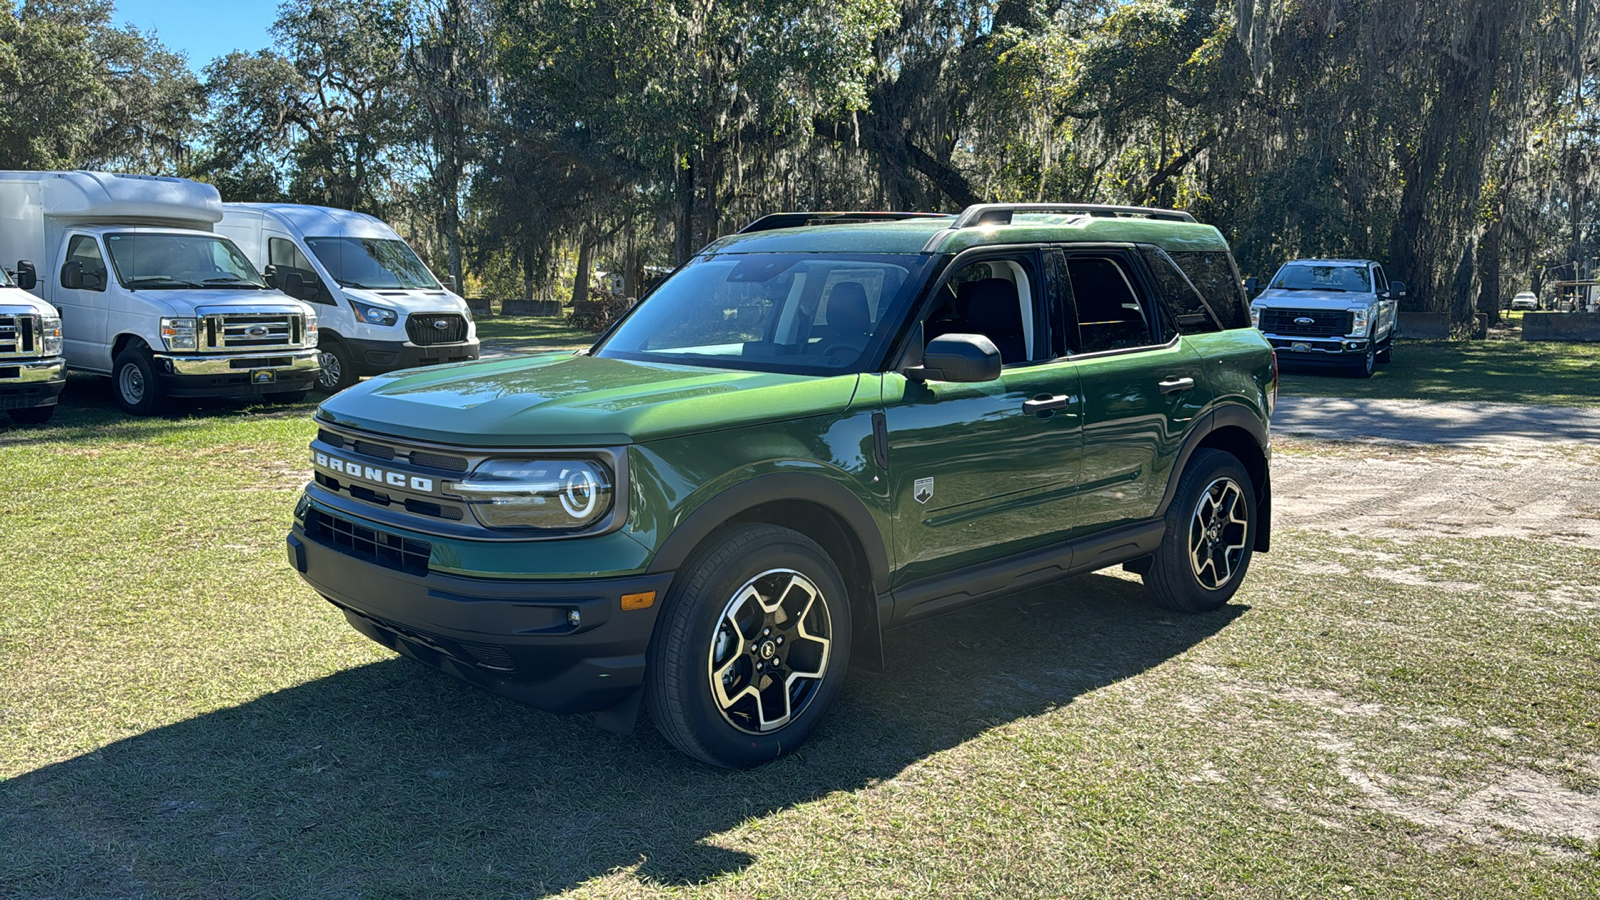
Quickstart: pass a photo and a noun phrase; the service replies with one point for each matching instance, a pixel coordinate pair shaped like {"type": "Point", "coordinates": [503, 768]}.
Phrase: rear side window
{"type": "Point", "coordinates": [1183, 301]}
{"type": "Point", "coordinates": [1107, 301]}
{"type": "Point", "coordinates": [1217, 278]}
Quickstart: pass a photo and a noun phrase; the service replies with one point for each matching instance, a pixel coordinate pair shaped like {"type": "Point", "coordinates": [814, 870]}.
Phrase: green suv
{"type": "Point", "coordinates": [819, 428]}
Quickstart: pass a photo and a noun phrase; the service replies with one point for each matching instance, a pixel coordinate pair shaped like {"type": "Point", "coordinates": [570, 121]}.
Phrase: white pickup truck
{"type": "Point", "coordinates": [32, 370]}
{"type": "Point", "coordinates": [1335, 312]}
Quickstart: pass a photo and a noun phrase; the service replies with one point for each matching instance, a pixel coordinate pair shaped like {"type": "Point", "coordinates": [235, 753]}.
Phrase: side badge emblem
{"type": "Point", "coordinates": [922, 489]}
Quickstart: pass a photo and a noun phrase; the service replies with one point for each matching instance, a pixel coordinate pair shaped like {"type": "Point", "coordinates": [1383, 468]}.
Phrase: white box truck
{"type": "Point", "coordinates": [149, 295]}
{"type": "Point", "coordinates": [32, 370]}
{"type": "Point", "coordinates": [379, 306]}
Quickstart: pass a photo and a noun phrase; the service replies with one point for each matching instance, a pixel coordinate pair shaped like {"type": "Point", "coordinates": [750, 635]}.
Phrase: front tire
{"type": "Point", "coordinates": [1367, 363]}
{"type": "Point", "coordinates": [1210, 535]}
{"type": "Point", "coordinates": [134, 383]}
{"type": "Point", "coordinates": [752, 647]}
{"type": "Point", "coordinates": [338, 370]}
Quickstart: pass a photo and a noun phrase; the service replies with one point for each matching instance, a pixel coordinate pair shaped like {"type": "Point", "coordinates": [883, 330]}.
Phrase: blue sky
{"type": "Point", "coordinates": [204, 29]}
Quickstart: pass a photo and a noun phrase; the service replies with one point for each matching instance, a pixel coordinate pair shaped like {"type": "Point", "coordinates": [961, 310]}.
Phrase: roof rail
{"type": "Point", "coordinates": [1000, 213]}
{"type": "Point", "coordinates": [803, 219]}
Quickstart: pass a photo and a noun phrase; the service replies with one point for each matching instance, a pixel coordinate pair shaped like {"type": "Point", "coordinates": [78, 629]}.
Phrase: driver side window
{"type": "Point", "coordinates": [285, 257]}
{"type": "Point", "coordinates": [83, 250]}
{"type": "Point", "coordinates": [993, 298]}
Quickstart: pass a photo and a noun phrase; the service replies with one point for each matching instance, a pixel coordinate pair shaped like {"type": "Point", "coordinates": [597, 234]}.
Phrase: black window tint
{"type": "Point", "coordinates": [1215, 276]}
{"type": "Point", "coordinates": [1379, 280]}
{"type": "Point", "coordinates": [285, 256]}
{"type": "Point", "coordinates": [1110, 313]}
{"type": "Point", "coordinates": [1184, 303]}
{"type": "Point", "coordinates": [83, 249]}
{"type": "Point", "coordinates": [1064, 339]}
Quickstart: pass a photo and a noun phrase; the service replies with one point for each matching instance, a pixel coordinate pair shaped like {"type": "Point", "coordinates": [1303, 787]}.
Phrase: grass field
{"type": "Point", "coordinates": [181, 717]}
{"type": "Point", "coordinates": [528, 333]}
{"type": "Point", "coordinates": [1493, 371]}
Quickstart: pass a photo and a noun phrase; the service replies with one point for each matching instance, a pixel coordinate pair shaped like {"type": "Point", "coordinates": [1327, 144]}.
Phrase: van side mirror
{"type": "Point", "coordinates": [958, 358]}
{"type": "Point", "coordinates": [269, 275]}
{"type": "Point", "coordinates": [72, 276]}
{"type": "Point", "coordinates": [91, 281]}
{"type": "Point", "coordinates": [27, 275]}
{"type": "Point", "coordinates": [294, 284]}
{"type": "Point", "coordinates": [1397, 289]}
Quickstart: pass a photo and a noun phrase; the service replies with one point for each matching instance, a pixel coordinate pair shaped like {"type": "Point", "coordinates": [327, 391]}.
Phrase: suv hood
{"type": "Point", "coordinates": [562, 400]}
{"type": "Point", "coordinates": [1312, 299]}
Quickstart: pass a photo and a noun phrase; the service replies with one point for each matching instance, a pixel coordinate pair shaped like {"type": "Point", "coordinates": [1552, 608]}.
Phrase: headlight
{"type": "Point", "coordinates": [310, 339]}
{"type": "Point", "coordinates": [545, 494]}
{"type": "Point", "coordinates": [1255, 317]}
{"type": "Point", "coordinates": [50, 335]}
{"type": "Point", "coordinates": [1359, 323]}
{"type": "Point", "coordinates": [178, 334]}
{"type": "Point", "coordinates": [374, 315]}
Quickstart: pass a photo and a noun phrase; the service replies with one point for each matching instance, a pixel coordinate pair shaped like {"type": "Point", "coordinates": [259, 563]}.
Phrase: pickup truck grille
{"type": "Point", "coordinates": [1324, 322]}
{"type": "Point", "coordinates": [426, 329]}
{"type": "Point", "coordinates": [253, 331]}
{"type": "Point", "coordinates": [17, 335]}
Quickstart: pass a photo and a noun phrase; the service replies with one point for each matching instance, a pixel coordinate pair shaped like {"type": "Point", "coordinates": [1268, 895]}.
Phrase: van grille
{"type": "Point", "coordinates": [388, 550]}
{"type": "Point", "coordinates": [1324, 322]}
{"type": "Point", "coordinates": [17, 335]}
{"type": "Point", "coordinates": [253, 331]}
{"type": "Point", "coordinates": [426, 329]}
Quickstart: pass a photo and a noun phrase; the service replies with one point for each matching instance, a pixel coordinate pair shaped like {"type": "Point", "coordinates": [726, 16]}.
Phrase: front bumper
{"type": "Point", "coordinates": [377, 357]}
{"type": "Point", "coordinates": [36, 382]}
{"type": "Point", "coordinates": [1318, 349]}
{"type": "Point", "coordinates": [516, 638]}
{"type": "Point", "coordinates": [234, 376]}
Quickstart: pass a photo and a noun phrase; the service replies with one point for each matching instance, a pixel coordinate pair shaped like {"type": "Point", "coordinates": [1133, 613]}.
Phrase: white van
{"type": "Point", "coordinates": [149, 295]}
{"type": "Point", "coordinates": [381, 309]}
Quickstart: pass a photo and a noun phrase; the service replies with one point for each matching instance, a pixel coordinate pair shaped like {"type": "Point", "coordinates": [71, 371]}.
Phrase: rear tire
{"type": "Point", "coordinates": [338, 370]}
{"type": "Point", "coordinates": [134, 384]}
{"type": "Point", "coordinates": [37, 415]}
{"type": "Point", "coordinates": [751, 649]}
{"type": "Point", "coordinates": [1210, 535]}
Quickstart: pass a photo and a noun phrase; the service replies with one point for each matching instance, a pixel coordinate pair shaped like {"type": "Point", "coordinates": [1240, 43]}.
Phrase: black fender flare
{"type": "Point", "coordinates": [1229, 415]}
{"type": "Point", "coordinates": [778, 486]}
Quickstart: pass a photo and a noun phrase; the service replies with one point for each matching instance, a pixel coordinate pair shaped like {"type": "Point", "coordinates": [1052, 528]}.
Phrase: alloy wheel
{"type": "Point", "coordinates": [770, 653]}
{"type": "Point", "coordinates": [1218, 530]}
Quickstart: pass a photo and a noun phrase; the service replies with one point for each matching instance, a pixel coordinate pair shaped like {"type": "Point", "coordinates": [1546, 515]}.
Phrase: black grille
{"type": "Point", "coordinates": [1324, 323]}
{"type": "Point", "coordinates": [438, 461]}
{"type": "Point", "coordinates": [388, 550]}
{"type": "Point", "coordinates": [376, 451]}
{"type": "Point", "coordinates": [441, 461]}
{"type": "Point", "coordinates": [436, 328]}
{"type": "Point", "coordinates": [16, 335]}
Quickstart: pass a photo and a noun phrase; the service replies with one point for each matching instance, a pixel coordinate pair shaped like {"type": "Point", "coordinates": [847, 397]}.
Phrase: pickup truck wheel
{"type": "Point", "coordinates": [751, 649]}
{"type": "Point", "coordinates": [1209, 537]}
{"type": "Point", "coordinates": [338, 372]}
{"type": "Point", "coordinates": [1368, 361]}
{"type": "Point", "coordinates": [37, 415]}
{"type": "Point", "coordinates": [134, 383]}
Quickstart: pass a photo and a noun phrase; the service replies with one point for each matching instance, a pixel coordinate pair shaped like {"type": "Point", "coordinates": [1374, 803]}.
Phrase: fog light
{"type": "Point", "coordinates": [573, 618]}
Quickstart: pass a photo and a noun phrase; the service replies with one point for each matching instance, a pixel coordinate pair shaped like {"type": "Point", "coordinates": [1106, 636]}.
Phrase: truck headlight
{"type": "Point", "coordinates": [178, 334]}
{"type": "Point", "coordinates": [310, 338]}
{"type": "Point", "coordinates": [1359, 321]}
{"type": "Point", "coordinates": [50, 335]}
{"type": "Point", "coordinates": [374, 315]}
{"type": "Point", "coordinates": [1255, 317]}
{"type": "Point", "coordinates": [543, 494]}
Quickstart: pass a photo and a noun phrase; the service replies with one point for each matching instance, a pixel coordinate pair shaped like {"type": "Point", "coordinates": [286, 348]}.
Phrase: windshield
{"type": "Point", "coordinates": [804, 313]}
{"type": "Point", "coordinates": [180, 261]}
{"type": "Point", "coordinates": [373, 263]}
{"type": "Point", "coordinates": [5, 278]}
{"type": "Point", "coordinates": [1307, 277]}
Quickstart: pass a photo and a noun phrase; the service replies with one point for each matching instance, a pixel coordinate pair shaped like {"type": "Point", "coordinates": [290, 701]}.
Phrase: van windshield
{"type": "Point", "coordinates": [5, 278]}
{"type": "Point", "coordinates": [180, 261]}
{"type": "Point", "coordinates": [372, 263]}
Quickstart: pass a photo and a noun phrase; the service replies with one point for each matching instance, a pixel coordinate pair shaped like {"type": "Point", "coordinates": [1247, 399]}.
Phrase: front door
{"type": "Point", "coordinates": [83, 308]}
{"type": "Point", "coordinates": [981, 471]}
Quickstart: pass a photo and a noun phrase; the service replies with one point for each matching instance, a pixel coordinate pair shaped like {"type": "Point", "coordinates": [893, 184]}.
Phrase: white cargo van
{"type": "Point", "coordinates": [149, 295]}
{"type": "Point", "coordinates": [32, 370]}
{"type": "Point", "coordinates": [381, 309]}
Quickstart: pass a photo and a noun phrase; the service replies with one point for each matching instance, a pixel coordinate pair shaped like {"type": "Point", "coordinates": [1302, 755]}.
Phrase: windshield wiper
{"type": "Point", "coordinates": [234, 280]}
{"type": "Point", "coordinates": [162, 279]}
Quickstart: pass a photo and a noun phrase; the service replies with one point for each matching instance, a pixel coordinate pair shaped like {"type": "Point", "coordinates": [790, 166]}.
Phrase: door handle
{"type": "Point", "coordinates": [1047, 402]}
{"type": "Point", "coordinates": [1173, 385]}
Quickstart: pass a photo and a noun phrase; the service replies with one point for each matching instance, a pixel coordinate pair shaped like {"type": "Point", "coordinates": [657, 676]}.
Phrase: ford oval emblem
{"type": "Point", "coordinates": [1305, 320]}
{"type": "Point", "coordinates": [441, 324]}
{"type": "Point", "coordinates": [257, 331]}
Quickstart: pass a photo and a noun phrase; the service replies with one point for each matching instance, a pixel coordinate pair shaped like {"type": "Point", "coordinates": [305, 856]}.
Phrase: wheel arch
{"type": "Point", "coordinates": [818, 508]}
{"type": "Point", "coordinates": [125, 340]}
{"type": "Point", "coordinates": [1242, 434]}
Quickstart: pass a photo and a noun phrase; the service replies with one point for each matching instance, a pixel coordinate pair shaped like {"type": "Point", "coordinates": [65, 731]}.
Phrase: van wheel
{"type": "Point", "coordinates": [1210, 535]}
{"type": "Point", "coordinates": [37, 415]}
{"type": "Point", "coordinates": [134, 383]}
{"type": "Point", "coordinates": [751, 649]}
{"type": "Point", "coordinates": [338, 372]}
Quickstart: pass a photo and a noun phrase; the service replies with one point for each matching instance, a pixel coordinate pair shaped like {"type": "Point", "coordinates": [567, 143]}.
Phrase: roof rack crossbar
{"type": "Point", "coordinates": [832, 217]}
{"type": "Point", "coordinates": [1001, 213]}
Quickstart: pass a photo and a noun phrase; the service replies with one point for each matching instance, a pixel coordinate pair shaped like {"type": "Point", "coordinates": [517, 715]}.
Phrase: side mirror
{"type": "Point", "coordinates": [91, 281]}
{"type": "Point", "coordinates": [958, 358]}
{"type": "Point", "coordinates": [1397, 289]}
{"type": "Point", "coordinates": [27, 275]}
{"type": "Point", "coordinates": [450, 284]}
{"type": "Point", "coordinates": [269, 275]}
{"type": "Point", "coordinates": [72, 276]}
{"type": "Point", "coordinates": [1252, 285]}
{"type": "Point", "coordinates": [294, 284]}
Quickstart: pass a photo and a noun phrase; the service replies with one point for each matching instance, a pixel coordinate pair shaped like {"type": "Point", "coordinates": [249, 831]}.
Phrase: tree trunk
{"type": "Point", "coordinates": [1489, 270]}
{"type": "Point", "coordinates": [580, 281]}
{"type": "Point", "coordinates": [683, 227]}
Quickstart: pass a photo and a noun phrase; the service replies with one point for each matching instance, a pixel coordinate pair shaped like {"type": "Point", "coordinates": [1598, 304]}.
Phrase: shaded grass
{"type": "Point", "coordinates": [527, 333]}
{"type": "Point", "coordinates": [181, 717]}
{"type": "Point", "coordinates": [1492, 371]}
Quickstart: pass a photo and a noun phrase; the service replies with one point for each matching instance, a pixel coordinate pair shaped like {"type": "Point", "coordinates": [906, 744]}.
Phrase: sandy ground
{"type": "Point", "coordinates": [1408, 467]}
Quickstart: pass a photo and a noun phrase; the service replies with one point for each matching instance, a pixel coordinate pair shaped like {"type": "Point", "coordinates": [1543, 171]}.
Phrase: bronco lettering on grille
{"type": "Point", "coordinates": [372, 473]}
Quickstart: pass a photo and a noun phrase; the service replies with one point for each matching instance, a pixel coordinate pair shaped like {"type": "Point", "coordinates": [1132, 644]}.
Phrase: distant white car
{"type": "Point", "coordinates": [1525, 300]}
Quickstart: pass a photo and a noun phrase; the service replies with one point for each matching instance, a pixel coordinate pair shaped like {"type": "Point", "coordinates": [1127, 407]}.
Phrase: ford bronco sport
{"type": "Point", "coordinates": [819, 428]}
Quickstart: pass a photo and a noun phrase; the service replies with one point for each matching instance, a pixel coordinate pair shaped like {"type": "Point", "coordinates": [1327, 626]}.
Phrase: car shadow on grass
{"type": "Point", "coordinates": [391, 779]}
